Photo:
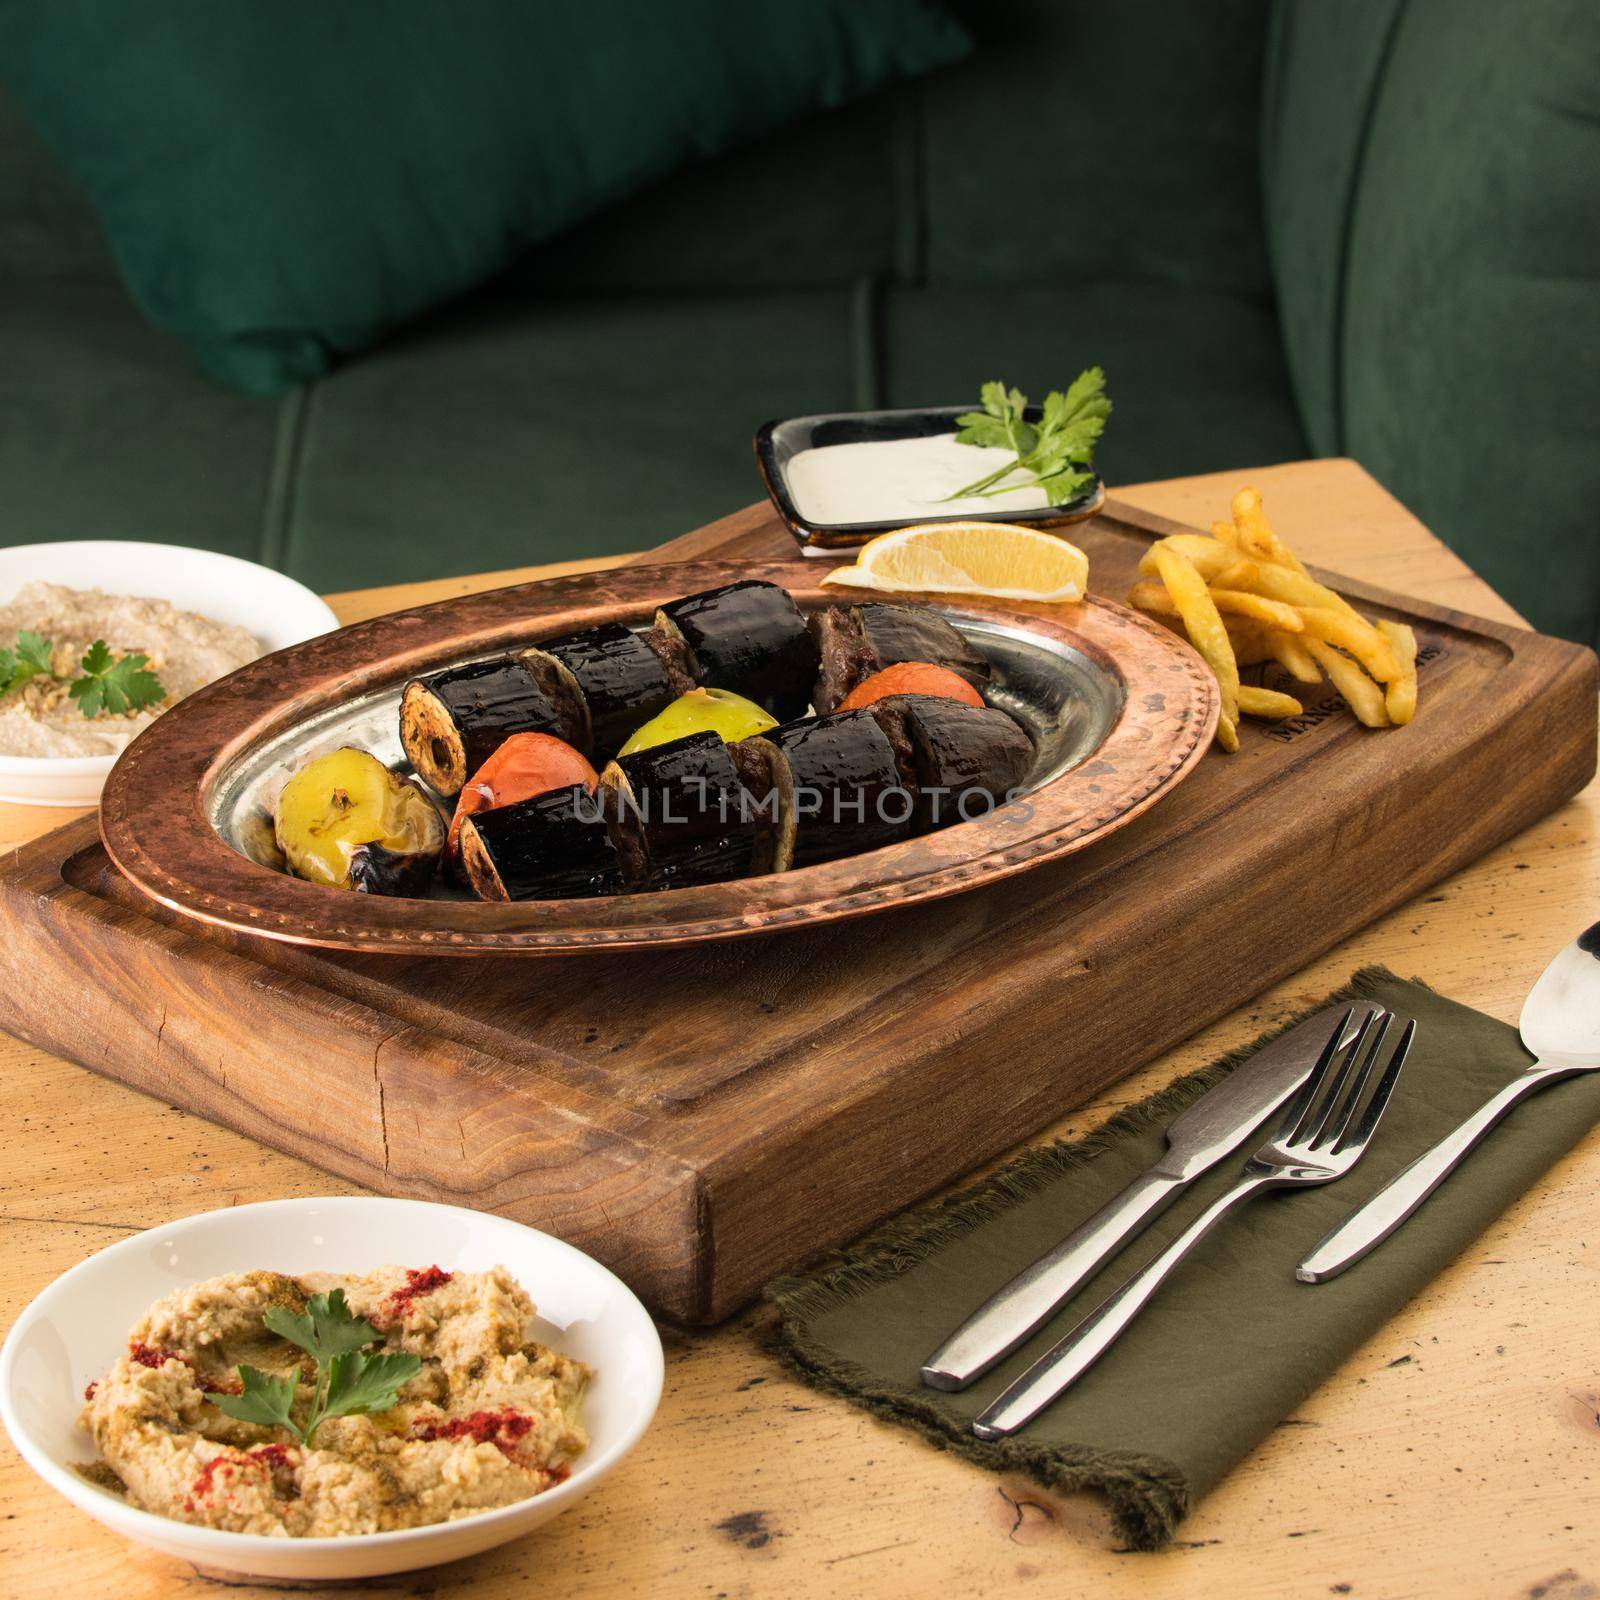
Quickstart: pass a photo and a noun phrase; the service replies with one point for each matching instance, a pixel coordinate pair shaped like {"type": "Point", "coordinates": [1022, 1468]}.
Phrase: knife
{"type": "Point", "coordinates": [1218, 1122]}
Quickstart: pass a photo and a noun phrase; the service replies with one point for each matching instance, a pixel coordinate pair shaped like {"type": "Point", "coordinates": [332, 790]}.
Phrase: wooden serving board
{"type": "Point", "coordinates": [702, 1118]}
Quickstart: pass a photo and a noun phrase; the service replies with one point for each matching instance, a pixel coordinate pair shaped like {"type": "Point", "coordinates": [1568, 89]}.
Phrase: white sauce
{"type": "Point", "coordinates": [889, 480]}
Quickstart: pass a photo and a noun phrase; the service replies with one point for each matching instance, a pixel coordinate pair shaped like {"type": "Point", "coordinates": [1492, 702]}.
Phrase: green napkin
{"type": "Point", "coordinates": [1233, 1342]}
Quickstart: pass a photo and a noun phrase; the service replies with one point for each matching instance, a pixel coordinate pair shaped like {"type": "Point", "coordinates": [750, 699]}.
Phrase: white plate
{"type": "Point", "coordinates": [276, 609]}
{"type": "Point", "coordinates": [73, 1331]}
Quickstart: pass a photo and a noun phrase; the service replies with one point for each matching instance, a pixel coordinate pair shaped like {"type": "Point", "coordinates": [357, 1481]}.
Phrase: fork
{"type": "Point", "coordinates": [1319, 1139]}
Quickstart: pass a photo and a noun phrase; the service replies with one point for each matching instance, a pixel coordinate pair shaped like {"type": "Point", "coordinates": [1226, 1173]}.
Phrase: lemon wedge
{"type": "Point", "coordinates": [1001, 559]}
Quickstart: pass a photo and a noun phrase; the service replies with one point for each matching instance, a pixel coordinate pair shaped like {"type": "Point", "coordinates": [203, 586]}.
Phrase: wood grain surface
{"type": "Point", "coordinates": [1455, 1455]}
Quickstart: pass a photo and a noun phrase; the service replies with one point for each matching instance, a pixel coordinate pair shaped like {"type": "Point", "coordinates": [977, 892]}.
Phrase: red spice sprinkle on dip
{"type": "Point", "coordinates": [419, 1281]}
{"type": "Point", "coordinates": [88, 1393]}
{"type": "Point", "coordinates": [146, 1357]}
{"type": "Point", "coordinates": [502, 1429]}
{"type": "Point", "coordinates": [203, 1486]}
{"type": "Point", "coordinates": [268, 1456]}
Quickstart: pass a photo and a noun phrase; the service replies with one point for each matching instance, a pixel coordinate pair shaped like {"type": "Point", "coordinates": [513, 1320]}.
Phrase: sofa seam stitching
{"type": "Point", "coordinates": [1358, 168]}
{"type": "Point", "coordinates": [283, 480]}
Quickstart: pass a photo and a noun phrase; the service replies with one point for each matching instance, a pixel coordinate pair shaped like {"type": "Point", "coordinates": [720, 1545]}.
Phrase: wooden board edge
{"type": "Point", "coordinates": [150, 998]}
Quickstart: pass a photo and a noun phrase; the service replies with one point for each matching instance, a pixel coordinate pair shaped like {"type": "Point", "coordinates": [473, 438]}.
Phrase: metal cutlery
{"type": "Point", "coordinates": [1324, 1132]}
{"type": "Point", "coordinates": [1560, 1024]}
{"type": "Point", "coordinates": [1216, 1124]}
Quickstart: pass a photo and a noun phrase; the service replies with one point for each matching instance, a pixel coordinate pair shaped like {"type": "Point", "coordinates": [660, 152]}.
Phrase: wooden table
{"type": "Point", "coordinates": [1456, 1455]}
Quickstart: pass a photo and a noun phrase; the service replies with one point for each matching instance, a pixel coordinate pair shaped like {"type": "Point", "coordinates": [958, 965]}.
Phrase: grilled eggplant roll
{"type": "Point", "coordinates": [749, 637]}
{"type": "Point", "coordinates": [679, 814]}
{"type": "Point", "coordinates": [839, 788]}
{"type": "Point", "coordinates": [347, 821]}
{"type": "Point", "coordinates": [451, 722]}
{"type": "Point", "coordinates": [961, 760]}
{"type": "Point", "coordinates": [620, 676]}
{"type": "Point", "coordinates": [854, 642]}
{"type": "Point", "coordinates": [551, 846]}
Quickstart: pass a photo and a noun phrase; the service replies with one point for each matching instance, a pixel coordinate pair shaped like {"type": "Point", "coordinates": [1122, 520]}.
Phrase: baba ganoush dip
{"type": "Point", "coordinates": [186, 650]}
{"type": "Point", "coordinates": [491, 1418]}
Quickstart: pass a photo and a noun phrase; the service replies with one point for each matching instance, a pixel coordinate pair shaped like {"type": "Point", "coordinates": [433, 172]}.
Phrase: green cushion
{"type": "Point", "coordinates": [1450, 340]}
{"type": "Point", "coordinates": [1324, 65]}
{"type": "Point", "coordinates": [511, 432]}
{"type": "Point", "coordinates": [1088, 140]}
{"type": "Point", "coordinates": [284, 183]}
{"type": "Point", "coordinates": [48, 228]}
{"type": "Point", "coordinates": [813, 205]}
{"type": "Point", "coordinates": [458, 447]}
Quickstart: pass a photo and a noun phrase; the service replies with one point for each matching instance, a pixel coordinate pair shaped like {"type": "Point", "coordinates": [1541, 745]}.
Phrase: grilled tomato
{"type": "Point", "coordinates": [525, 765]}
{"type": "Point", "coordinates": [346, 820]}
{"type": "Point", "coordinates": [912, 677]}
{"type": "Point", "coordinates": [720, 711]}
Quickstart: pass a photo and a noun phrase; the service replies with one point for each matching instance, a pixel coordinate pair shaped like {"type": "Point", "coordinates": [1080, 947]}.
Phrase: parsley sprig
{"type": "Point", "coordinates": [110, 683]}
{"type": "Point", "coordinates": [1057, 451]}
{"type": "Point", "coordinates": [115, 683]}
{"type": "Point", "coordinates": [29, 659]}
{"type": "Point", "coordinates": [349, 1381]}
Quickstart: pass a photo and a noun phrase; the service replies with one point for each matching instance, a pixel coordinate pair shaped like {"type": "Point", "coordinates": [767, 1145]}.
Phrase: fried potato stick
{"type": "Point", "coordinates": [1254, 702]}
{"type": "Point", "coordinates": [1207, 634]}
{"type": "Point", "coordinates": [1351, 633]}
{"type": "Point", "coordinates": [1400, 699]}
{"type": "Point", "coordinates": [1290, 653]}
{"type": "Point", "coordinates": [1241, 603]}
{"type": "Point", "coordinates": [1207, 556]}
{"type": "Point", "coordinates": [1256, 533]}
{"type": "Point", "coordinates": [1361, 694]}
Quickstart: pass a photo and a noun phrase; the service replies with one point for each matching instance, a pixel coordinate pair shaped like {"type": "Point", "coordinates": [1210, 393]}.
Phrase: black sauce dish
{"type": "Point", "coordinates": [777, 444]}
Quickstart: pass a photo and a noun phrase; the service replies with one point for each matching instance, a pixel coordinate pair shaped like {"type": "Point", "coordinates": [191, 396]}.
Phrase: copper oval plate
{"type": "Point", "coordinates": [1121, 710]}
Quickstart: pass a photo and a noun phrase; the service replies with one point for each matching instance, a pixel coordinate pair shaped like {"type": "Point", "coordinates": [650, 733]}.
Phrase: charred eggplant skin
{"type": "Point", "coordinates": [912, 633]}
{"type": "Point", "coordinates": [552, 846]}
{"type": "Point", "coordinates": [624, 681]}
{"type": "Point", "coordinates": [854, 642]}
{"type": "Point", "coordinates": [847, 793]}
{"type": "Point", "coordinates": [679, 814]}
{"type": "Point", "coordinates": [964, 760]}
{"type": "Point", "coordinates": [375, 869]}
{"type": "Point", "coordinates": [451, 722]}
{"type": "Point", "coordinates": [749, 637]}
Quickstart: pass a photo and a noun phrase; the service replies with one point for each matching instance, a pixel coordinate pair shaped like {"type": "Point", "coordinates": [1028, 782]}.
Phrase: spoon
{"type": "Point", "coordinates": [1560, 1024]}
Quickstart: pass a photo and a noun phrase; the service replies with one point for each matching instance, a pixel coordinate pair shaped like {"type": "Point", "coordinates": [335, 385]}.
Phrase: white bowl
{"type": "Point", "coordinates": [75, 1329]}
{"type": "Point", "coordinates": [276, 609]}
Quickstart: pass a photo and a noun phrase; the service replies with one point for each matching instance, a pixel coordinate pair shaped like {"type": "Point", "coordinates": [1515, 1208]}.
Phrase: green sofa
{"type": "Point", "coordinates": [1364, 227]}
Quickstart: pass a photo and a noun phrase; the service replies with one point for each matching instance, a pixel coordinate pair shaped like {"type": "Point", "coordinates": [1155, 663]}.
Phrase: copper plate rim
{"type": "Point", "coordinates": [154, 825]}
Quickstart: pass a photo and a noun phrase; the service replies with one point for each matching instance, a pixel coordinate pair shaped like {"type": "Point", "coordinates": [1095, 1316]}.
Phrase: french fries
{"type": "Point", "coordinates": [1353, 636]}
{"type": "Point", "coordinates": [1267, 703]}
{"type": "Point", "coordinates": [1241, 603]}
{"type": "Point", "coordinates": [1203, 623]}
{"type": "Point", "coordinates": [1245, 599]}
{"type": "Point", "coordinates": [1400, 699]}
{"type": "Point", "coordinates": [1363, 696]}
{"type": "Point", "coordinates": [1291, 654]}
{"type": "Point", "coordinates": [1255, 532]}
